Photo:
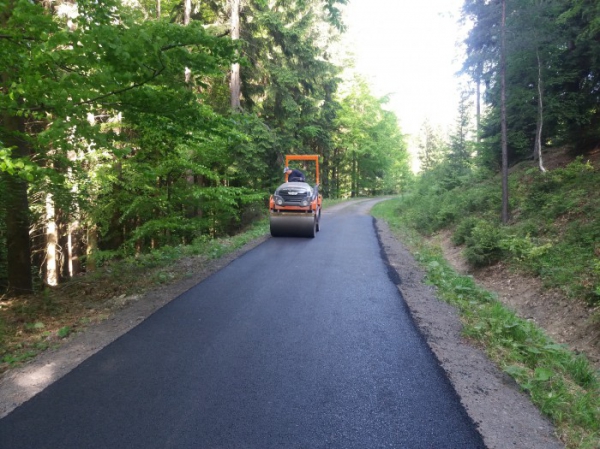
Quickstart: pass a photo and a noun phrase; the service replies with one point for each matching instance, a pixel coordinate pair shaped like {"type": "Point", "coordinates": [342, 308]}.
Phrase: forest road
{"type": "Point", "coordinates": [299, 343]}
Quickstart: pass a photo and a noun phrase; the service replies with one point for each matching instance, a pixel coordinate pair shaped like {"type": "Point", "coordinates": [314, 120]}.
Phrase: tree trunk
{"type": "Point", "coordinates": [187, 16]}
{"type": "Point", "coordinates": [92, 247]}
{"type": "Point", "coordinates": [64, 254]}
{"type": "Point", "coordinates": [478, 104]}
{"type": "Point", "coordinates": [505, 212]}
{"type": "Point", "coordinates": [51, 243]}
{"type": "Point", "coordinates": [75, 248]}
{"type": "Point", "coordinates": [357, 183]}
{"type": "Point", "coordinates": [335, 174]}
{"type": "Point", "coordinates": [16, 201]}
{"type": "Point", "coordinates": [234, 83]}
{"type": "Point", "coordinates": [17, 213]}
{"type": "Point", "coordinates": [187, 12]}
{"type": "Point", "coordinates": [354, 178]}
{"type": "Point", "coordinates": [537, 149]}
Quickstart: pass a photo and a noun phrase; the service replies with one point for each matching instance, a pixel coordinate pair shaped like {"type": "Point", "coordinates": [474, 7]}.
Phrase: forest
{"type": "Point", "coordinates": [131, 126]}
{"type": "Point", "coordinates": [127, 127]}
{"type": "Point", "coordinates": [518, 179]}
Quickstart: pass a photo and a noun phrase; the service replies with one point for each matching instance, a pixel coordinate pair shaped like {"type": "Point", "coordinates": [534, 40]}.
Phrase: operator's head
{"type": "Point", "coordinates": [287, 170]}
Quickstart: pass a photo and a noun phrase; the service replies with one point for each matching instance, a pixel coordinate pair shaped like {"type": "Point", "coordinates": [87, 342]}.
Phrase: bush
{"type": "Point", "coordinates": [464, 230]}
{"type": "Point", "coordinates": [524, 248]}
{"type": "Point", "coordinates": [484, 244]}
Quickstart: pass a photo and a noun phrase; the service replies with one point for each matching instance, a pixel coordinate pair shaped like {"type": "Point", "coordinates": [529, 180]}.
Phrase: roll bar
{"type": "Point", "coordinates": [303, 157]}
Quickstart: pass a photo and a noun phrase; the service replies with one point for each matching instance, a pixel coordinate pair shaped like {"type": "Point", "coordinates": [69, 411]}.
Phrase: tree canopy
{"type": "Point", "coordinates": [552, 75]}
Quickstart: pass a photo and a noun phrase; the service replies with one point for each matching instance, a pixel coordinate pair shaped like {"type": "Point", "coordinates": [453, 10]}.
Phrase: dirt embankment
{"type": "Point", "coordinates": [568, 321]}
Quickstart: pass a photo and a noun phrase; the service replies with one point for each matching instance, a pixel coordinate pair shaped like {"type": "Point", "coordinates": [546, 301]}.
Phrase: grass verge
{"type": "Point", "coordinates": [564, 386]}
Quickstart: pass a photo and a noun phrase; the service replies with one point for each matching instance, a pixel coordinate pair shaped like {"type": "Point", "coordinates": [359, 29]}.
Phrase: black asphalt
{"type": "Point", "coordinates": [299, 343]}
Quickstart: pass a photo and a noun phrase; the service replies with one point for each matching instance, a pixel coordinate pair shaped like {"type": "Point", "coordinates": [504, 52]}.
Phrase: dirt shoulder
{"type": "Point", "coordinates": [505, 417]}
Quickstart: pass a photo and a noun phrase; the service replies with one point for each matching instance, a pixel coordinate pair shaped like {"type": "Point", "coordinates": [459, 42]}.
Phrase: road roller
{"type": "Point", "coordinates": [295, 207]}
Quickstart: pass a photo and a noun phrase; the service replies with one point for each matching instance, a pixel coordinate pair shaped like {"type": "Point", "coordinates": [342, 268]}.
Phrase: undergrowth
{"type": "Point", "coordinates": [564, 386]}
{"type": "Point", "coordinates": [554, 219]}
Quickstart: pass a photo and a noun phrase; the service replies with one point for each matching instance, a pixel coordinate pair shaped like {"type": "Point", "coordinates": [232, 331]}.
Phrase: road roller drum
{"type": "Point", "coordinates": [293, 224]}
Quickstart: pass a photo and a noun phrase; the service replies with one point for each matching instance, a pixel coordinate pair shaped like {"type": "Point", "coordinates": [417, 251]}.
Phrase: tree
{"type": "Point", "coordinates": [235, 67]}
{"type": "Point", "coordinates": [580, 68]}
{"type": "Point", "coordinates": [552, 55]}
{"type": "Point", "coordinates": [536, 51]}
{"type": "Point", "coordinates": [371, 152]}
{"type": "Point", "coordinates": [505, 213]}
{"type": "Point", "coordinates": [431, 147]}
{"type": "Point", "coordinates": [285, 75]}
{"type": "Point", "coordinates": [460, 148]}
{"type": "Point", "coordinates": [105, 58]}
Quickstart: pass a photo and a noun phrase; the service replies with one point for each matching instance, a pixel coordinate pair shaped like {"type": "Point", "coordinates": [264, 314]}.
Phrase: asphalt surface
{"type": "Point", "coordinates": [299, 343]}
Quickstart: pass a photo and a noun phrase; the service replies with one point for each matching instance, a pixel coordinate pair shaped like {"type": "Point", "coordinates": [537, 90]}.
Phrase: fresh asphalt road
{"type": "Point", "coordinates": [299, 343]}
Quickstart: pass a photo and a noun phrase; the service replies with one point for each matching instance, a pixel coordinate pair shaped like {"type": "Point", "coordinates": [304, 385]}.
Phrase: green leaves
{"type": "Point", "coordinates": [373, 156]}
{"type": "Point", "coordinates": [64, 331]}
{"type": "Point", "coordinates": [21, 167]}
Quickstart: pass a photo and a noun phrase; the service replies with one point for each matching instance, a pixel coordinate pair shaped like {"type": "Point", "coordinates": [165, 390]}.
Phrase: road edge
{"type": "Point", "coordinates": [21, 384]}
{"type": "Point", "coordinates": [505, 417]}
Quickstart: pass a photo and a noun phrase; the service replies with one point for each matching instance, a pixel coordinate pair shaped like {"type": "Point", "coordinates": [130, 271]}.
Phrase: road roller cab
{"type": "Point", "coordinates": [295, 207]}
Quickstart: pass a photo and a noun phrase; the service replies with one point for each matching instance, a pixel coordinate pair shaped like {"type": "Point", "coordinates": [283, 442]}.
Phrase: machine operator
{"type": "Point", "coordinates": [294, 175]}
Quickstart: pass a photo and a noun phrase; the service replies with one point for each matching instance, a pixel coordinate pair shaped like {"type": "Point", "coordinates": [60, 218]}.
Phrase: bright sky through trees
{"type": "Point", "coordinates": [408, 48]}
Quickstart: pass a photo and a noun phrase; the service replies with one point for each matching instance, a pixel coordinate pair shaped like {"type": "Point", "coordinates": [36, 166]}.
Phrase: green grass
{"type": "Point", "coordinates": [206, 246]}
{"type": "Point", "coordinates": [564, 386]}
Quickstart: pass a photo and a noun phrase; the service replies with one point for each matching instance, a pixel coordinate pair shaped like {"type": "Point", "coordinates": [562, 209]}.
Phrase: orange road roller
{"type": "Point", "coordinates": [295, 207]}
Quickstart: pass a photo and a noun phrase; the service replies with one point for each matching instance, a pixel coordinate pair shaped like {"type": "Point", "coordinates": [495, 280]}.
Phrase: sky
{"type": "Point", "coordinates": [408, 48]}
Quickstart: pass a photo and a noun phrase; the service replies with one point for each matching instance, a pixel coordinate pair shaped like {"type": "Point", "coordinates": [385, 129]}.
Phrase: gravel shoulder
{"type": "Point", "coordinates": [505, 416]}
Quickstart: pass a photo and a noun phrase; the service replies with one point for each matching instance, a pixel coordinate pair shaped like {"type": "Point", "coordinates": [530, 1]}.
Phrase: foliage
{"type": "Point", "coordinates": [371, 155]}
{"type": "Point", "coordinates": [552, 61]}
{"type": "Point", "coordinates": [483, 244]}
{"type": "Point", "coordinates": [431, 147]}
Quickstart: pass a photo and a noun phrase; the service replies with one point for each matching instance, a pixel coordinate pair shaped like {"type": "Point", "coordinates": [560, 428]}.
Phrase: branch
{"type": "Point", "coordinates": [155, 75]}
{"type": "Point", "coordinates": [170, 47]}
{"type": "Point", "coordinates": [120, 91]}
{"type": "Point", "coordinates": [12, 38]}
